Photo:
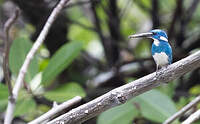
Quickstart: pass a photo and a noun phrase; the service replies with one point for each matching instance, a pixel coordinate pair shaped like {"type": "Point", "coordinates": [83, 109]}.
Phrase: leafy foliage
{"type": "Point", "coordinates": [159, 105]}
{"type": "Point", "coordinates": [123, 114]}
{"type": "Point", "coordinates": [24, 106]}
{"type": "Point", "coordinates": [62, 58]}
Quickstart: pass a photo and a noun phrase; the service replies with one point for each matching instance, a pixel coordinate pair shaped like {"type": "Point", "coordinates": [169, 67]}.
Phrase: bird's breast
{"type": "Point", "coordinates": [161, 58]}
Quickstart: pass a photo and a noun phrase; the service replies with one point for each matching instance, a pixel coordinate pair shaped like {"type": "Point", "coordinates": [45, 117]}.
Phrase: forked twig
{"type": "Point", "coordinates": [29, 57]}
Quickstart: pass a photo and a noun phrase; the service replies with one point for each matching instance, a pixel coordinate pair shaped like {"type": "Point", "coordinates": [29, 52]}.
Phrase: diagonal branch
{"type": "Point", "coordinates": [183, 110]}
{"type": "Point", "coordinates": [122, 94]}
{"type": "Point", "coordinates": [29, 57]}
{"type": "Point", "coordinates": [7, 27]}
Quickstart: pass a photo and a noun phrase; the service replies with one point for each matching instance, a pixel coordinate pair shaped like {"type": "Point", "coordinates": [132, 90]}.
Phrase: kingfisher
{"type": "Point", "coordinates": [161, 49]}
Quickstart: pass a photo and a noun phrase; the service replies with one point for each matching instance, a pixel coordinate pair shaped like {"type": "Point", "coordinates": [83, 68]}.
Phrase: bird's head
{"type": "Point", "coordinates": [155, 34]}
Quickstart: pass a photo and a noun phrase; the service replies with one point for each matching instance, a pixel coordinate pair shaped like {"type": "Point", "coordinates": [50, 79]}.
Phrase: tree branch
{"type": "Point", "coordinates": [183, 110]}
{"type": "Point", "coordinates": [122, 94]}
{"type": "Point", "coordinates": [29, 57]}
{"type": "Point", "coordinates": [195, 116]}
{"type": "Point", "coordinates": [7, 27]}
{"type": "Point", "coordinates": [56, 110]}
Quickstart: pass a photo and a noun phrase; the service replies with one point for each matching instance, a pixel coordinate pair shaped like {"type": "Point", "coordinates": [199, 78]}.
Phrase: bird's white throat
{"type": "Point", "coordinates": [156, 42]}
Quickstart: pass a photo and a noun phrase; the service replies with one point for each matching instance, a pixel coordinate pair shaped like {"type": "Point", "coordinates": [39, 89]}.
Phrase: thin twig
{"type": "Point", "coordinates": [7, 27]}
{"type": "Point", "coordinates": [29, 57]}
{"type": "Point", "coordinates": [183, 110]}
{"type": "Point", "coordinates": [56, 110]}
{"type": "Point", "coordinates": [122, 94]}
{"type": "Point", "coordinates": [194, 117]}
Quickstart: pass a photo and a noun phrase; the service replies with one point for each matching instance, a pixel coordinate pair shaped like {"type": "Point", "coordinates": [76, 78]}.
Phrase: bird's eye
{"type": "Point", "coordinates": [154, 33]}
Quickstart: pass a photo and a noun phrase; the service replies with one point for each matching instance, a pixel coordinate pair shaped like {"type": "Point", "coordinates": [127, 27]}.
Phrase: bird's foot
{"type": "Point", "coordinates": [160, 71]}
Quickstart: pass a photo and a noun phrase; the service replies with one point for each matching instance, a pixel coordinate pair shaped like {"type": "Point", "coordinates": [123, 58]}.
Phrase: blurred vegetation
{"type": "Point", "coordinates": [87, 53]}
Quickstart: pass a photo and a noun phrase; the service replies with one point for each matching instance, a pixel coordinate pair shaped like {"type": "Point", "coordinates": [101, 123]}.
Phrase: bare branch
{"type": "Point", "coordinates": [7, 27]}
{"type": "Point", "coordinates": [56, 110]}
{"type": "Point", "coordinates": [194, 117]}
{"type": "Point", "coordinates": [183, 110]}
{"type": "Point", "coordinates": [29, 57]}
{"type": "Point", "coordinates": [122, 94]}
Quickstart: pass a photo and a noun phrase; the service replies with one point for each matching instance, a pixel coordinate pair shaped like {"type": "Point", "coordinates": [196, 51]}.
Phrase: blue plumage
{"type": "Point", "coordinates": [161, 49]}
{"type": "Point", "coordinates": [163, 44]}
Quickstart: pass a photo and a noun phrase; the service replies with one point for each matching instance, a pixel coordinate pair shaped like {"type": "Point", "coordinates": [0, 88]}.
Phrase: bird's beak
{"type": "Point", "coordinates": [147, 35]}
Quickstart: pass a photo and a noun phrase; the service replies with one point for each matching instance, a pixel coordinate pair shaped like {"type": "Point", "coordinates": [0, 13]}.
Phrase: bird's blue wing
{"type": "Point", "coordinates": [168, 51]}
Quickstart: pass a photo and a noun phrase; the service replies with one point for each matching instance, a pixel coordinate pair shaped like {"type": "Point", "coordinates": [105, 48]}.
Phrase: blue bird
{"type": "Point", "coordinates": [161, 49]}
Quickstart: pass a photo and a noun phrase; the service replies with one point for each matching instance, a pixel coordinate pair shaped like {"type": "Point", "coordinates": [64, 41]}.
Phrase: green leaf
{"type": "Point", "coordinates": [25, 107]}
{"type": "Point", "coordinates": [18, 51]}
{"type": "Point", "coordinates": [155, 106]}
{"type": "Point", "coordinates": [123, 114]}
{"type": "Point", "coordinates": [61, 60]}
{"type": "Point", "coordinates": [65, 92]}
{"type": "Point", "coordinates": [3, 97]}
